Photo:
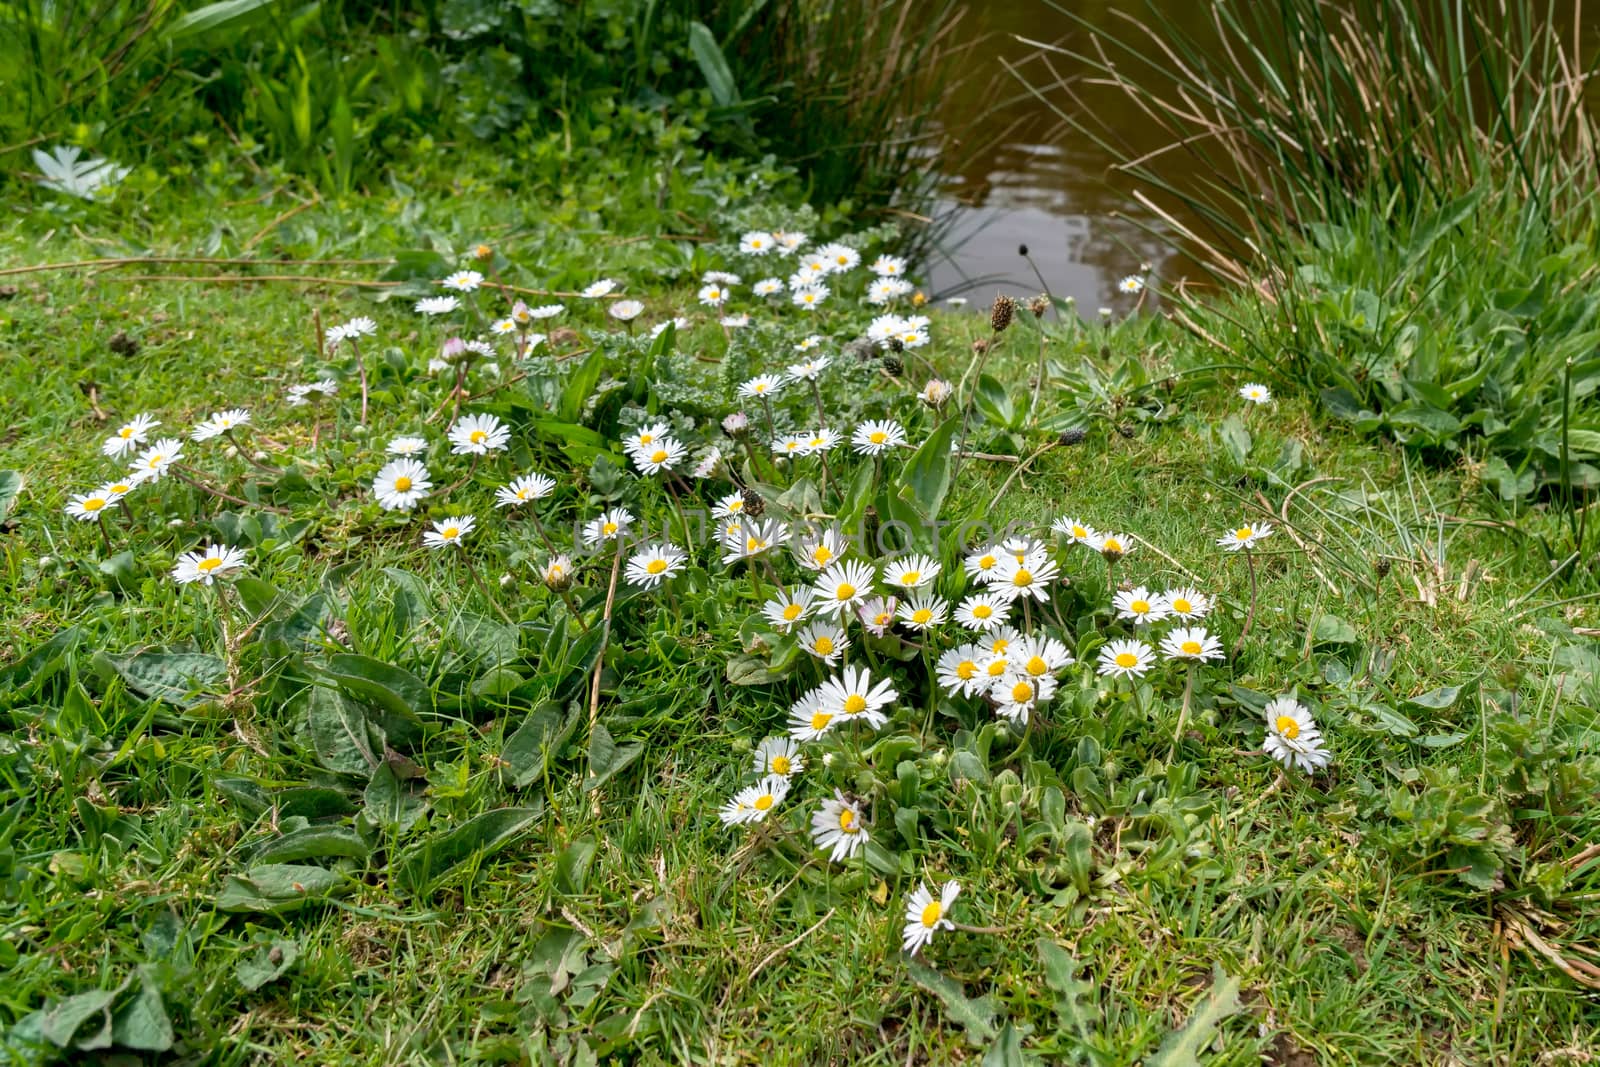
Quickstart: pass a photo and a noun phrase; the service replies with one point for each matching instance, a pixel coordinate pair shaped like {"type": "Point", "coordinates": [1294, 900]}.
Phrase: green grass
{"type": "Point", "coordinates": [1362, 912]}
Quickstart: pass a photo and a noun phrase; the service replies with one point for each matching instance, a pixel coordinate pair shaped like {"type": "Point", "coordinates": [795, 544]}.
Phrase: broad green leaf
{"type": "Point", "coordinates": [1391, 721]}
{"type": "Point", "coordinates": [267, 963]}
{"type": "Point", "coordinates": [925, 479]}
{"type": "Point", "coordinates": [312, 802]}
{"type": "Point", "coordinates": [994, 403]}
{"type": "Point", "coordinates": [412, 601]}
{"type": "Point", "coordinates": [340, 733]}
{"type": "Point", "coordinates": [425, 865]}
{"type": "Point", "coordinates": [1438, 699]}
{"type": "Point", "coordinates": [311, 843]}
{"type": "Point", "coordinates": [394, 689]}
{"type": "Point", "coordinates": [572, 866]}
{"type": "Point", "coordinates": [276, 888]}
{"type": "Point", "coordinates": [142, 1022]}
{"type": "Point", "coordinates": [1061, 975]}
{"type": "Point", "coordinates": [1332, 630]}
{"type": "Point", "coordinates": [536, 742]}
{"type": "Point", "coordinates": [713, 65]}
{"type": "Point", "coordinates": [38, 666]}
{"type": "Point", "coordinates": [61, 1023]}
{"type": "Point", "coordinates": [580, 386]}
{"type": "Point", "coordinates": [1006, 1050]}
{"type": "Point", "coordinates": [975, 1016]}
{"type": "Point", "coordinates": [750, 670]}
{"type": "Point", "coordinates": [1236, 439]}
{"type": "Point", "coordinates": [1182, 1048]}
{"type": "Point", "coordinates": [607, 758]}
{"type": "Point", "coordinates": [179, 678]}
{"type": "Point", "coordinates": [390, 804]}
{"type": "Point", "coordinates": [11, 483]}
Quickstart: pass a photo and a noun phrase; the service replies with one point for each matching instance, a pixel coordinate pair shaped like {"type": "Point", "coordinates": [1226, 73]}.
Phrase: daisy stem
{"type": "Point", "coordinates": [105, 538]}
{"type": "Point", "coordinates": [543, 536]}
{"type": "Point", "coordinates": [605, 637]}
{"type": "Point", "coordinates": [1027, 614]}
{"type": "Point", "coordinates": [772, 432]}
{"type": "Point", "coordinates": [182, 477]}
{"type": "Point", "coordinates": [750, 450]}
{"type": "Point", "coordinates": [361, 371]}
{"type": "Point", "coordinates": [755, 584]}
{"type": "Point", "coordinates": [248, 458]}
{"type": "Point", "coordinates": [1183, 712]}
{"type": "Point", "coordinates": [933, 689]}
{"type": "Point", "coordinates": [1250, 615]}
{"type": "Point", "coordinates": [772, 572]}
{"type": "Point", "coordinates": [465, 478]}
{"type": "Point", "coordinates": [816, 394]}
{"type": "Point", "coordinates": [484, 589]}
{"type": "Point", "coordinates": [223, 614]}
{"type": "Point", "coordinates": [677, 505]}
{"type": "Point", "coordinates": [1038, 381]}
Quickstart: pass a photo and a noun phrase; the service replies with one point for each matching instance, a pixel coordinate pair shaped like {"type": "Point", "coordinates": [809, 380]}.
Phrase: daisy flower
{"type": "Point", "coordinates": [884, 327]}
{"type": "Point", "coordinates": [219, 423]}
{"type": "Point", "coordinates": [478, 435]}
{"type": "Point", "coordinates": [821, 441]}
{"type": "Point", "coordinates": [1126, 659]}
{"type": "Point", "coordinates": [208, 564]}
{"type": "Point", "coordinates": [360, 326]}
{"type": "Point", "coordinates": [761, 385]}
{"type": "Point", "coordinates": [524, 490]}
{"type": "Point", "coordinates": [961, 672]}
{"type": "Point", "coordinates": [502, 327]}
{"type": "Point", "coordinates": [768, 287]}
{"type": "Point", "coordinates": [304, 393]}
{"type": "Point", "coordinates": [1140, 605]}
{"type": "Point", "coordinates": [1076, 531]}
{"type": "Point", "coordinates": [463, 281]}
{"type": "Point", "coordinates": [983, 611]}
{"type": "Point", "coordinates": [449, 531]}
{"type": "Point", "coordinates": [645, 436]}
{"type": "Point", "coordinates": [789, 242]}
{"type": "Point", "coordinates": [809, 369]}
{"type": "Point", "coordinates": [654, 564]}
{"type": "Point", "coordinates": [757, 243]}
{"type": "Point", "coordinates": [1292, 736]}
{"type": "Point", "coordinates": [816, 264]}
{"type": "Point", "coordinates": [878, 614]}
{"type": "Point", "coordinates": [436, 366]}
{"type": "Point", "coordinates": [154, 461]}
{"type": "Point", "coordinates": [86, 507]}
{"type": "Point", "coordinates": [852, 697]}
{"type": "Point", "coordinates": [883, 290]}
{"type": "Point", "coordinates": [820, 550]}
{"type": "Point", "coordinates": [732, 504]}
{"type": "Point", "coordinates": [790, 445]}
{"type": "Point", "coordinates": [808, 719]}
{"type": "Point", "coordinates": [676, 322]}
{"type": "Point", "coordinates": [806, 344]}
{"type": "Point", "coordinates": [825, 640]}
{"type": "Point", "coordinates": [806, 277]}
{"type": "Point", "coordinates": [1027, 577]}
{"type": "Point", "coordinates": [754, 803]}
{"type": "Point", "coordinates": [888, 266]}
{"type": "Point", "coordinates": [1113, 546]}
{"type": "Point", "coordinates": [557, 572]}
{"type": "Point", "coordinates": [780, 756]}
{"type": "Point", "coordinates": [400, 484]}
{"type": "Point", "coordinates": [706, 466]}
{"type": "Point", "coordinates": [1245, 536]}
{"type": "Point", "coordinates": [936, 392]}
{"type": "Point", "coordinates": [1131, 284]}
{"type": "Point", "coordinates": [1255, 392]}
{"type": "Point", "coordinates": [809, 297]}
{"type": "Point", "coordinates": [545, 311]}
{"type": "Point", "coordinates": [839, 257]}
{"type": "Point", "coordinates": [1020, 548]}
{"type": "Point", "coordinates": [1186, 603]}
{"type": "Point", "coordinates": [750, 539]}
{"type": "Point", "coordinates": [924, 611]}
{"type": "Point", "coordinates": [664, 455]}
{"type": "Point", "coordinates": [720, 277]}
{"type": "Point", "coordinates": [837, 827]}
{"type": "Point", "coordinates": [713, 296]}
{"type": "Point", "coordinates": [1191, 642]}
{"type": "Point", "coordinates": [1016, 697]}
{"type": "Point", "coordinates": [844, 585]}
{"type": "Point", "coordinates": [116, 490]}
{"type": "Point", "coordinates": [1040, 657]}
{"type": "Point", "coordinates": [925, 915]}
{"type": "Point", "coordinates": [983, 565]}
{"type": "Point", "coordinates": [911, 572]}
{"type": "Point", "coordinates": [735, 322]}
{"type": "Point", "coordinates": [913, 337]}
{"type": "Point", "coordinates": [595, 290]}
{"type": "Point", "coordinates": [625, 310]}
{"type": "Point", "coordinates": [609, 524]}
{"type": "Point", "coordinates": [407, 446]}
{"type": "Point", "coordinates": [875, 437]}
{"type": "Point", "coordinates": [436, 305]}
{"type": "Point", "coordinates": [129, 435]}
{"type": "Point", "coordinates": [788, 610]}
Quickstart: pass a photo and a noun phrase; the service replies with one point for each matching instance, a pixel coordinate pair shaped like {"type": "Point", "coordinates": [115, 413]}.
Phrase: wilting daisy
{"type": "Point", "coordinates": [1016, 696]}
{"type": "Point", "coordinates": [478, 435]}
{"type": "Point", "coordinates": [746, 540]}
{"type": "Point", "coordinates": [888, 266]}
{"type": "Point", "coordinates": [129, 435]}
{"type": "Point", "coordinates": [762, 385]}
{"type": "Point", "coordinates": [768, 287]}
{"type": "Point", "coordinates": [874, 438]}
{"type": "Point", "coordinates": [925, 915]}
{"type": "Point", "coordinates": [664, 455]}
{"type": "Point", "coordinates": [810, 297]}
{"type": "Point", "coordinates": [757, 243]}
{"type": "Point", "coordinates": [816, 551]}
{"type": "Point", "coordinates": [809, 369]}
{"type": "Point", "coordinates": [1131, 284]}
{"type": "Point", "coordinates": [936, 393]}
{"type": "Point", "coordinates": [677, 323]}
{"type": "Point", "coordinates": [924, 611]}
{"type": "Point", "coordinates": [448, 532]}
{"type": "Point", "coordinates": [207, 564]}
{"type": "Point", "coordinates": [400, 484]}
{"type": "Point", "coordinates": [1255, 392]}
{"type": "Point", "coordinates": [1140, 605]}
{"type": "Point", "coordinates": [809, 719]}
{"type": "Point", "coordinates": [1191, 642]}
{"type": "Point", "coordinates": [788, 609]}
{"type": "Point", "coordinates": [1292, 736]}
{"type": "Point", "coordinates": [625, 310]}
{"type": "Point", "coordinates": [837, 827]}
{"type": "Point", "coordinates": [654, 564]}
{"type": "Point", "coordinates": [825, 640]}
{"type": "Point", "coordinates": [780, 756]}
{"type": "Point", "coordinates": [983, 611]}
{"type": "Point", "coordinates": [844, 585]}
{"type": "Point", "coordinates": [86, 507]}
{"type": "Point", "coordinates": [983, 565]}
{"type": "Point", "coordinates": [595, 290]}
{"type": "Point", "coordinates": [436, 305]}
{"type": "Point", "coordinates": [407, 446]}
{"type": "Point", "coordinates": [911, 572]}
{"type": "Point", "coordinates": [707, 465]}
{"type": "Point", "coordinates": [524, 490]}
{"type": "Point", "coordinates": [878, 614]}
{"type": "Point", "coordinates": [154, 461]}
{"type": "Point", "coordinates": [1040, 657]}
{"type": "Point", "coordinates": [853, 697]}
{"type": "Point", "coordinates": [756, 802]}
{"type": "Point", "coordinates": [1027, 577]}
{"type": "Point", "coordinates": [1126, 659]}
{"type": "Point", "coordinates": [609, 525]}
{"type": "Point", "coordinates": [1112, 546]}
{"type": "Point", "coordinates": [839, 257]}
{"type": "Point", "coordinates": [1244, 536]}
{"type": "Point", "coordinates": [1186, 603]}
{"type": "Point", "coordinates": [713, 296]}
{"type": "Point", "coordinates": [961, 671]}
{"type": "Point", "coordinates": [463, 281]}
{"type": "Point", "coordinates": [1076, 531]}
{"type": "Point", "coordinates": [219, 423]}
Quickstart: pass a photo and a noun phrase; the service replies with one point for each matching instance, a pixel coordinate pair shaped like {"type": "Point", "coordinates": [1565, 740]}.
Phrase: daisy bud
{"type": "Point", "coordinates": [1074, 436]}
{"type": "Point", "coordinates": [980, 346]}
{"type": "Point", "coordinates": [175, 523]}
{"type": "Point", "coordinates": [936, 393]}
{"type": "Point", "coordinates": [453, 350]}
{"type": "Point", "coordinates": [1039, 305]}
{"type": "Point", "coordinates": [736, 424]}
{"type": "Point", "coordinates": [1000, 312]}
{"type": "Point", "coordinates": [753, 504]}
{"type": "Point", "coordinates": [918, 298]}
{"type": "Point", "coordinates": [482, 252]}
{"type": "Point", "coordinates": [894, 365]}
{"type": "Point", "coordinates": [1111, 554]}
{"type": "Point", "coordinates": [507, 581]}
{"type": "Point", "coordinates": [46, 562]}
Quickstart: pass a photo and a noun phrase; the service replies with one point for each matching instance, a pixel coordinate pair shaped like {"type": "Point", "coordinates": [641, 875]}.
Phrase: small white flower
{"type": "Point", "coordinates": [878, 614]}
{"type": "Point", "coordinates": [757, 243]}
{"type": "Point", "coordinates": [678, 323]}
{"type": "Point", "coordinates": [1131, 284]}
{"type": "Point", "coordinates": [153, 462]}
{"type": "Point", "coordinates": [806, 344]}
{"type": "Point", "coordinates": [1191, 642]}
{"type": "Point", "coordinates": [762, 385]}
{"type": "Point", "coordinates": [1126, 658]}
{"type": "Point", "coordinates": [1139, 605]}
{"type": "Point", "coordinates": [545, 311]}
{"type": "Point", "coordinates": [1244, 536]}
{"type": "Point", "coordinates": [983, 611]}
{"type": "Point", "coordinates": [1186, 603]}
{"type": "Point", "coordinates": [360, 326]}
{"type": "Point", "coordinates": [809, 719]}
{"type": "Point", "coordinates": [437, 305]}
{"type": "Point", "coordinates": [911, 572]}
{"type": "Point", "coordinates": [663, 455]}
{"type": "Point", "coordinates": [407, 446]}
{"type": "Point", "coordinates": [839, 257]}
{"type": "Point", "coordinates": [925, 916]}
{"type": "Point", "coordinates": [524, 490]}
{"type": "Point", "coordinates": [875, 438]}
{"type": "Point", "coordinates": [654, 564]}
{"type": "Point", "coordinates": [401, 484]}
{"type": "Point", "coordinates": [824, 640]}
{"type": "Point", "coordinates": [720, 277]}
{"type": "Point", "coordinates": [810, 297]}
{"type": "Point", "coordinates": [1255, 392]}
{"type": "Point", "coordinates": [755, 803]}
{"type": "Point", "coordinates": [610, 524]}
{"type": "Point", "coordinates": [888, 266]}
{"type": "Point", "coordinates": [219, 423]}
{"type": "Point", "coordinates": [788, 610]}
{"type": "Point", "coordinates": [1292, 736]}
{"type": "Point", "coordinates": [735, 322]}
{"type": "Point", "coordinates": [817, 551]}
{"type": "Point", "coordinates": [478, 435]}
{"type": "Point", "coordinates": [207, 564]}
{"type": "Point", "coordinates": [780, 756]}
{"type": "Point", "coordinates": [837, 827]}
{"type": "Point", "coordinates": [713, 296]}
{"type": "Point", "coordinates": [809, 369]}
{"type": "Point", "coordinates": [86, 507]}
{"type": "Point", "coordinates": [129, 435]}
{"type": "Point", "coordinates": [768, 287]}
{"type": "Point", "coordinates": [924, 611]}
{"type": "Point", "coordinates": [1076, 531]}
{"type": "Point", "coordinates": [463, 281]}
{"type": "Point", "coordinates": [596, 290]}
{"type": "Point", "coordinates": [844, 585]}
{"type": "Point", "coordinates": [961, 671]}
{"type": "Point", "coordinates": [626, 310]}
{"type": "Point", "coordinates": [1027, 577]}
{"type": "Point", "coordinates": [447, 532]}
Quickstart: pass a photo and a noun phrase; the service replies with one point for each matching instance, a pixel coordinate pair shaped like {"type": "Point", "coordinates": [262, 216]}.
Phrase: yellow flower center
{"type": "Point", "coordinates": [845, 591]}
{"type": "Point", "coordinates": [791, 612]}
{"type": "Point", "coordinates": [658, 456]}
{"type": "Point", "coordinates": [922, 616]}
{"type": "Point", "coordinates": [932, 913]}
{"type": "Point", "coordinates": [608, 528]}
{"type": "Point", "coordinates": [1190, 648]}
{"type": "Point", "coordinates": [966, 669]}
{"type": "Point", "coordinates": [855, 704]}
{"type": "Point", "coordinates": [877, 437]}
{"type": "Point", "coordinates": [1127, 660]}
{"type": "Point", "coordinates": [761, 387]}
{"type": "Point", "coordinates": [450, 533]}
{"type": "Point", "coordinates": [910, 577]}
{"type": "Point", "coordinates": [1182, 606]}
{"type": "Point", "coordinates": [763, 802]}
{"type": "Point", "coordinates": [209, 564]}
{"type": "Point", "coordinates": [94, 503]}
{"type": "Point", "coordinates": [986, 563]}
{"type": "Point", "coordinates": [1000, 646]}
{"type": "Point", "coordinates": [1140, 607]}
{"type": "Point", "coordinates": [736, 505]}
{"type": "Point", "coordinates": [656, 566]}
{"type": "Point", "coordinates": [882, 618]}
{"type": "Point", "coordinates": [823, 645]}
{"type": "Point", "coordinates": [122, 488]}
{"type": "Point", "coordinates": [402, 484]}
{"type": "Point", "coordinates": [847, 821]}
{"type": "Point", "coordinates": [1287, 726]}
{"type": "Point", "coordinates": [779, 764]}
{"type": "Point", "coordinates": [820, 720]}
{"type": "Point", "coordinates": [1037, 666]}
{"type": "Point", "coordinates": [821, 554]}
{"type": "Point", "coordinates": [1022, 578]}
{"type": "Point", "coordinates": [1242, 533]}
{"type": "Point", "coordinates": [982, 611]}
{"type": "Point", "coordinates": [791, 445]}
{"type": "Point", "coordinates": [754, 544]}
{"type": "Point", "coordinates": [478, 437]}
{"type": "Point", "coordinates": [555, 571]}
{"type": "Point", "coordinates": [1022, 692]}
{"type": "Point", "coordinates": [1079, 531]}
{"type": "Point", "coordinates": [125, 433]}
{"type": "Point", "coordinates": [155, 460]}
{"type": "Point", "coordinates": [997, 668]}
{"type": "Point", "coordinates": [1112, 545]}
{"type": "Point", "coordinates": [646, 438]}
